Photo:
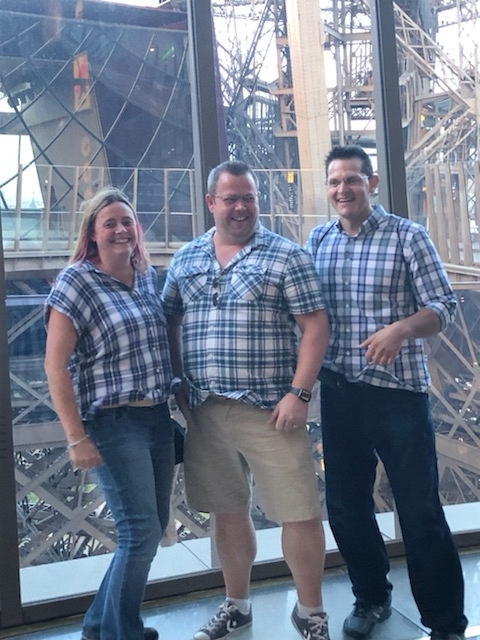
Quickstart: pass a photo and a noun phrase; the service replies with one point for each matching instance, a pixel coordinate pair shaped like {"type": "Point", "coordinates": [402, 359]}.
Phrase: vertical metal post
{"type": "Point", "coordinates": [135, 188]}
{"type": "Point", "coordinates": [166, 206]}
{"type": "Point", "coordinates": [18, 210]}
{"type": "Point", "coordinates": [10, 600]}
{"type": "Point", "coordinates": [72, 230]}
{"type": "Point", "coordinates": [45, 226]}
{"type": "Point", "coordinates": [391, 156]}
{"type": "Point", "coordinates": [209, 140]}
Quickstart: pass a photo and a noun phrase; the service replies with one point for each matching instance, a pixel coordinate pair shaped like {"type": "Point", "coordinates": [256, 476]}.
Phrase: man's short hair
{"type": "Point", "coordinates": [347, 152]}
{"type": "Point", "coordinates": [235, 167]}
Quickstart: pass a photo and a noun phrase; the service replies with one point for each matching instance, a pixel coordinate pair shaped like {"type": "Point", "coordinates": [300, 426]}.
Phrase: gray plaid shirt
{"type": "Point", "coordinates": [387, 272]}
{"type": "Point", "coordinates": [122, 350]}
{"type": "Point", "coordinates": [239, 334]}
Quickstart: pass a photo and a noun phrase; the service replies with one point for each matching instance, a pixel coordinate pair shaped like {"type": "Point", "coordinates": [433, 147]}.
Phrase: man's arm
{"type": "Point", "coordinates": [291, 412]}
{"type": "Point", "coordinates": [313, 343]}
{"type": "Point", "coordinates": [174, 333]}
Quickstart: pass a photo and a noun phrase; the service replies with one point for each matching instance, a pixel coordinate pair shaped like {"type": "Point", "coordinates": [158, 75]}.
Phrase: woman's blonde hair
{"type": "Point", "coordinates": [86, 248]}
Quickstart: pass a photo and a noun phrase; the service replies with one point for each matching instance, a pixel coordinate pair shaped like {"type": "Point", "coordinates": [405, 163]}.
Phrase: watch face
{"type": "Point", "coordinates": [303, 394]}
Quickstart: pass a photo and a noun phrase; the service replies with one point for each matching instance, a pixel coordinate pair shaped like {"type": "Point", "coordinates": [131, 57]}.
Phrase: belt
{"type": "Point", "coordinates": [146, 402]}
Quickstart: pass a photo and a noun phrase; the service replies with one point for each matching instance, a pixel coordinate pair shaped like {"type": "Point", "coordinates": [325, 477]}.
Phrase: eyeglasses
{"type": "Point", "coordinates": [349, 181]}
{"type": "Point", "coordinates": [247, 199]}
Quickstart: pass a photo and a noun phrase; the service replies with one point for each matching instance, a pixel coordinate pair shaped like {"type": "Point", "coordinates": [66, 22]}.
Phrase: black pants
{"type": "Point", "coordinates": [360, 421]}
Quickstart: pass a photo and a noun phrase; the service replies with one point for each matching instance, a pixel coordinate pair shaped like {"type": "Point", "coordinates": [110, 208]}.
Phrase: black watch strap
{"type": "Point", "coordinates": [303, 394]}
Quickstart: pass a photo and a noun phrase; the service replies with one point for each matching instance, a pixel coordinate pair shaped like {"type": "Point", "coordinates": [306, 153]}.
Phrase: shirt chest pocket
{"type": "Point", "coordinates": [193, 283]}
{"type": "Point", "coordinates": [247, 283]}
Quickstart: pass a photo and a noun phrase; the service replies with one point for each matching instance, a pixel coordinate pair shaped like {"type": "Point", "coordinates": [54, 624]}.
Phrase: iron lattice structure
{"type": "Point", "coordinates": [437, 83]}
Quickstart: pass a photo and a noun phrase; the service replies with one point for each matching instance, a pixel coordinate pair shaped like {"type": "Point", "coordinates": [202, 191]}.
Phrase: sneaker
{"type": "Point", "coordinates": [149, 633]}
{"type": "Point", "coordinates": [364, 617]}
{"type": "Point", "coordinates": [227, 620]}
{"type": "Point", "coordinates": [439, 635]}
{"type": "Point", "coordinates": [312, 628]}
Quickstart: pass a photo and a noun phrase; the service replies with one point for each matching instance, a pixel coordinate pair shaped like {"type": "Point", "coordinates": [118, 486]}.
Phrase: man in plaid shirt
{"type": "Point", "coordinates": [236, 300]}
{"type": "Point", "coordinates": [385, 289]}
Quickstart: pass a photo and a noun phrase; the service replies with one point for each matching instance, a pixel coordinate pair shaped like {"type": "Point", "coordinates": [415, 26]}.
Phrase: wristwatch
{"type": "Point", "coordinates": [304, 394]}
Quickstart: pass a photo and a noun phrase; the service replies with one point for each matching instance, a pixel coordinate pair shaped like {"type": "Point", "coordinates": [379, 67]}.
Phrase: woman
{"type": "Point", "coordinates": [109, 374]}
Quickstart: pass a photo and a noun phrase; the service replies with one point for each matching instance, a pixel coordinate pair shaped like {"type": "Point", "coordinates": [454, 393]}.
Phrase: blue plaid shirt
{"type": "Point", "coordinates": [239, 334]}
{"type": "Point", "coordinates": [122, 352]}
{"type": "Point", "coordinates": [387, 272]}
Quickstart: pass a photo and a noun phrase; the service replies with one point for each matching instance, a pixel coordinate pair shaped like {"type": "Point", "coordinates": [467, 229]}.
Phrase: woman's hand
{"type": "Point", "coordinates": [84, 454]}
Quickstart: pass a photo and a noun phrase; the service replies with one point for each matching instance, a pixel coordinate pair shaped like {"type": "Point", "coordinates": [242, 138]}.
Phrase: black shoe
{"type": "Point", "coordinates": [364, 617]}
{"type": "Point", "coordinates": [148, 634]}
{"type": "Point", "coordinates": [439, 635]}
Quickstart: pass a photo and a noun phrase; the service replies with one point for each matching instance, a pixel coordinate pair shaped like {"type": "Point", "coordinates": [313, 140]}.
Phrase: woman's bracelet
{"type": "Point", "coordinates": [70, 445]}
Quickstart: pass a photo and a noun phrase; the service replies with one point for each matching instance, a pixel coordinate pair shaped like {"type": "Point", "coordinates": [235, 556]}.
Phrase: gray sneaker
{"type": "Point", "coordinates": [312, 628]}
{"type": "Point", "coordinates": [227, 620]}
{"type": "Point", "coordinates": [364, 617]}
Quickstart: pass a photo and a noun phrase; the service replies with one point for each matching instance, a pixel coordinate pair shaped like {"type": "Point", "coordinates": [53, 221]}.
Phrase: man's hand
{"type": "Point", "coordinates": [383, 346]}
{"type": "Point", "coordinates": [289, 414]}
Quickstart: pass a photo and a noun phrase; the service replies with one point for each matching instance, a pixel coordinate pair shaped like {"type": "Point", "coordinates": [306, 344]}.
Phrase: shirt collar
{"type": "Point", "coordinates": [373, 221]}
{"type": "Point", "coordinates": [259, 238]}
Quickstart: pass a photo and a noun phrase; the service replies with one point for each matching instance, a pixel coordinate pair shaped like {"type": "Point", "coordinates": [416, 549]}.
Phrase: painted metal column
{"type": "Point", "coordinates": [390, 148]}
{"type": "Point", "coordinates": [10, 601]}
{"type": "Point", "coordinates": [209, 141]}
{"type": "Point", "coordinates": [304, 32]}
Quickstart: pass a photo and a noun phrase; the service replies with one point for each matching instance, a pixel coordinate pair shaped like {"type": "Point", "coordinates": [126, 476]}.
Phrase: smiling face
{"type": "Point", "coordinates": [115, 232]}
{"type": "Point", "coordinates": [348, 191]}
{"type": "Point", "coordinates": [234, 207]}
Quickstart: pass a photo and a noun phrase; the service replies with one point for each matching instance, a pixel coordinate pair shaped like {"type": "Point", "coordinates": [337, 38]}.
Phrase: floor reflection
{"type": "Point", "coordinates": [273, 601]}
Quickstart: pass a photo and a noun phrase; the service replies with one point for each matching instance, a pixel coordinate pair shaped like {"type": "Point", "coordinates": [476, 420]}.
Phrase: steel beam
{"type": "Point", "coordinates": [10, 600]}
{"type": "Point", "coordinates": [209, 138]}
{"type": "Point", "coordinates": [390, 147]}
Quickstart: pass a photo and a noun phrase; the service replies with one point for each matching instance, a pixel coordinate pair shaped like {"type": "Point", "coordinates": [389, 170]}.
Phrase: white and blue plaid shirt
{"type": "Point", "coordinates": [122, 352]}
{"type": "Point", "coordinates": [387, 272]}
{"type": "Point", "coordinates": [238, 330]}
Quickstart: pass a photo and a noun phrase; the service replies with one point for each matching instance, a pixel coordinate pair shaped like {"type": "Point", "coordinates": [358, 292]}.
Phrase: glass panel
{"type": "Point", "coordinates": [97, 95]}
{"type": "Point", "coordinates": [92, 94]}
{"type": "Point", "coordinates": [62, 514]}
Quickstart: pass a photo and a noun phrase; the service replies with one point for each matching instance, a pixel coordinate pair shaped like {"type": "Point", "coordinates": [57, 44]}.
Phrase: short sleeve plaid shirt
{"type": "Point", "coordinates": [122, 352]}
{"type": "Point", "coordinates": [387, 272]}
{"type": "Point", "coordinates": [239, 333]}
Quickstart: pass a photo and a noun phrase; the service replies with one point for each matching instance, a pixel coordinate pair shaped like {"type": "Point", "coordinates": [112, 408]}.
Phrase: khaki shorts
{"type": "Point", "coordinates": [229, 441]}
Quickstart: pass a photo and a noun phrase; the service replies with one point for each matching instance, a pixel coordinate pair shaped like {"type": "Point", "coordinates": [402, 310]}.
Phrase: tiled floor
{"type": "Point", "coordinates": [273, 601]}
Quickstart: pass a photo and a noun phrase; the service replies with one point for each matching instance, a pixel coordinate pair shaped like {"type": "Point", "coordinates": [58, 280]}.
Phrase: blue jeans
{"type": "Point", "coordinates": [136, 444]}
{"type": "Point", "coordinates": [358, 422]}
